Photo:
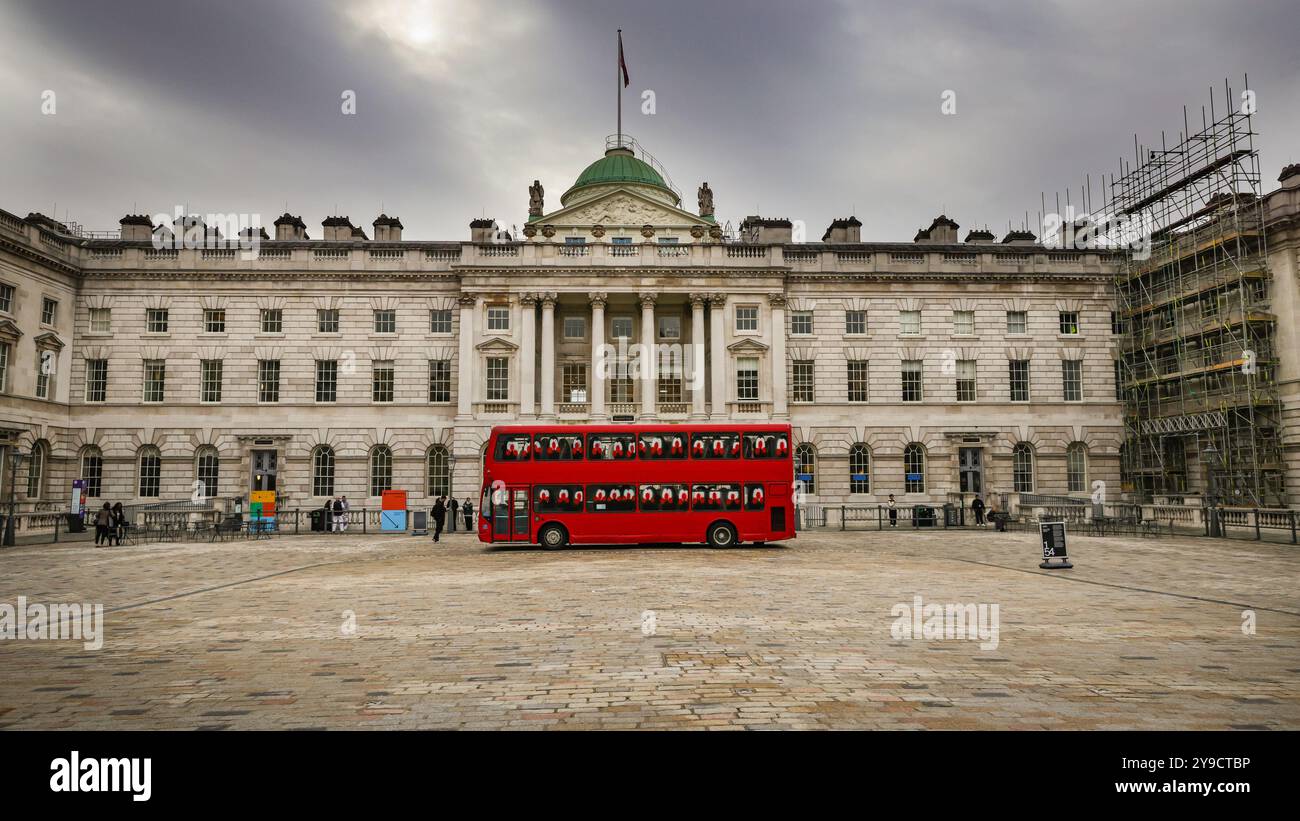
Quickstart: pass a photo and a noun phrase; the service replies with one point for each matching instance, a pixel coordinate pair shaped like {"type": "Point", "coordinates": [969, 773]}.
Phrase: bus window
{"type": "Point", "coordinates": [755, 499]}
{"type": "Point", "coordinates": [722, 496]}
{"type": "Point", "coordinates": [557, 446]}
{"type": "Point", "coordinates": [611, 446]}
{"type": "Point", "coordinates": [558, 498]}
{"type": "Point", "coordinates": [764, 445]}
{"type": "Point", "coordinates": [513, 447]}
{"type": "Point", "coordinates": [715, 445]}
{"type": "Point", "coordinates": [661, 446]}
{"type": "Point", "coordinates": [665, 497]}
{"type": "Point", "coordinates": [611, 498]}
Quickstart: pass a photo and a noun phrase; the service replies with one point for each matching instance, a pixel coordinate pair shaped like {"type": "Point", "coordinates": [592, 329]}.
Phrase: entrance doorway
{"type": "Point", "coordinates": [264, 469]}
{"type": "Point", "coordinates": [970, 470]}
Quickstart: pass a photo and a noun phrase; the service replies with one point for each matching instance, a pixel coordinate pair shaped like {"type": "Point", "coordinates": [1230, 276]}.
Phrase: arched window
{"type": "Point", "coordinates": [322, 471]}
{"type": "Point", "coordinates": [914, 468]}
{"type": "Point", "coordinates": [207, 471]}
{"type": "Point", "coordinates": [438, 474]}
{"type": "Point", "coordinates": [805, 467]}
{"type": "Point", "coordinates": [381, 470]}
{"type": "Point", "coordinates": [150, 484]}
{"type": "Point", "coordinates": [1022, 468]}
{"type": "Point", "coordinates": [859, 469]}
{"type": "Point", "coordinates": [92, 470]}
{"type": "Point", "coordinates": [1076, 467]}
{"type": "Point", "coordinates": [36, 470]}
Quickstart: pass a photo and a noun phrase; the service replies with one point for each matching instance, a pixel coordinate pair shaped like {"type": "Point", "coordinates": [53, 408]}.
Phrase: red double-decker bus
{"type": "Point", "coordinates": [630, 484]}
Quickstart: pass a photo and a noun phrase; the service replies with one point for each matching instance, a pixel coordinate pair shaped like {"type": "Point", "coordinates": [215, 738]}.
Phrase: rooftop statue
{"type": "Point", "coordinates": [706, 200]}
{"type": "Point", "coordinates": [535, 195]}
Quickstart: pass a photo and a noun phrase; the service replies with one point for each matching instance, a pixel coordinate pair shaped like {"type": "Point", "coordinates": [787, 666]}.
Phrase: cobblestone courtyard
{"type": "Point", "coordinates": [1141, 634]}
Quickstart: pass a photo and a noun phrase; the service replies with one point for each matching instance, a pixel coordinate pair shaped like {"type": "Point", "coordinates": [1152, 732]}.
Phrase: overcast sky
{"type": "Point", "coordinates": [807, 110]}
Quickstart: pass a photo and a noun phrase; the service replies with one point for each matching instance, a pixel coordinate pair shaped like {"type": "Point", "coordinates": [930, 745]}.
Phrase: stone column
{"type": "Point", "coordinates": [780, 397]}
{"type": "Point", "coordinates": [466, 388]}
{"type": "Point", "coordinates": [718, 355]}
{"type": "Point", "coordinates": [596, 380]}
{"type": "Point", "coordinates": [548, 354]}
{"type": "Point", "coordinates": [697, 359]}
{"type": "Point", "coordinates": [527, 354]}
{"type": "Point", "coordinates": [649, 387]}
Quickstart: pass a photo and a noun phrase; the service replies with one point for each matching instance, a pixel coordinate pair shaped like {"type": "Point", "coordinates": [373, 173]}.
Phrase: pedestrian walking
{"type": "Point", "coordinates": [338, 515]}
{"type": "Point", "coordinates": [893, 511]}
{"type": "Point", "coordinates": [454, 507]}
{"type": "Point", "coordinates": [102, 521]}
{"type": "Point", "coordinates": [468, 508]}
{"type": "Point", "coordinates": [977, 507]}
{"type": "Point", "coordinates": [439, 514]}
{"type": "Point", "coordinates": [346, 515]}
{"type": "Point", "coordinates": [999, 521]}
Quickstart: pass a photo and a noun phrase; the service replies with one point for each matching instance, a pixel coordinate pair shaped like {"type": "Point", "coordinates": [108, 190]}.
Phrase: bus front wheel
{"type": "Point", "coordinates": [722, 534]}
{"type": "Point", "coordinates": [552, 537]}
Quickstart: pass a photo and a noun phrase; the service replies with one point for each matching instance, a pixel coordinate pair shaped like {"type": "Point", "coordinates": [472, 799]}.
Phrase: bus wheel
{"type": "Point", "coordinates": [552, 537]}
{"type": "Point", "coordinates": [722, 534]}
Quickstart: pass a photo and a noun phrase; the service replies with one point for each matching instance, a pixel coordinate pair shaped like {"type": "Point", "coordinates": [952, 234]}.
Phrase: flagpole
{"type": "Point", "coordinates": [618, 79]}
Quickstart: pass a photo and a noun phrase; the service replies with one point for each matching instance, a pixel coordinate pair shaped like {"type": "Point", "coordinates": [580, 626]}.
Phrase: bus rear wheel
{"type": "Point", "coordinates": [552, 537]}
{"type": "Point", "coordinates": [721, 534]}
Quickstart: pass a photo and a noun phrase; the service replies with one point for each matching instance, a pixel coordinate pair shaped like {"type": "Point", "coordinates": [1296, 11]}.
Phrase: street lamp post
{"type": "Point", "coordinates": [1210, 456]}
{"type": "Point", "coordinates": [15, 462]}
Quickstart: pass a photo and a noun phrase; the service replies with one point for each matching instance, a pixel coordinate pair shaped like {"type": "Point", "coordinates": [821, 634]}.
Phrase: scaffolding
{"type": "Point", "coordinates": [1197, 363]}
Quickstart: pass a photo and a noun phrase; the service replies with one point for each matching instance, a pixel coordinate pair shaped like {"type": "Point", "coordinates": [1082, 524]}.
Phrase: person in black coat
{"type": "Point", "coordinates": [451, 519]}
{"type": "Point", "coordinates": [977, 507]}
{"type": "Point", "coordinates": [103, 521]}
{"type": "Point", "coordinates": [118, 525]}
{"type": "Point", "coordinates": [439, 514]}
{"type": "Point", "coordinates": [468, 508]}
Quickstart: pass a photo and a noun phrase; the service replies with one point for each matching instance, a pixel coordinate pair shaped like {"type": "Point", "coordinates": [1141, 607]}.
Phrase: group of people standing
{"type": "Point", "coordinates": [336, 514]}
{"type": "Point", "coordinates": [110, 523]}
{"type": "Point", "coordinates": [977, 507]}
{"type": "Point", "coordinates": [441, 510]}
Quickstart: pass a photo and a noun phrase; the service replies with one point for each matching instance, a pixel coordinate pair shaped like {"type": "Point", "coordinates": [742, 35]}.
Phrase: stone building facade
{"type": "Point", "coordinates": [347, 365]}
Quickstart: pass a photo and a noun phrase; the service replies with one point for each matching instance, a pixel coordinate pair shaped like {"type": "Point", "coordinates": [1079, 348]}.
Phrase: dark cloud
{"type": "Point", "coordinates": [804, 110]}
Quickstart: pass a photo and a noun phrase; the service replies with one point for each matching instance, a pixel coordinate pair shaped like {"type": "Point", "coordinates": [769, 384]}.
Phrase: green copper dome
{"type": "Point", "coordinates": [619, 166]}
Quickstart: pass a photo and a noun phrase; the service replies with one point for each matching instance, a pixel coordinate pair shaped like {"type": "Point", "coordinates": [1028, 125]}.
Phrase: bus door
{"type": "Point", "coordinates": [510, 514]}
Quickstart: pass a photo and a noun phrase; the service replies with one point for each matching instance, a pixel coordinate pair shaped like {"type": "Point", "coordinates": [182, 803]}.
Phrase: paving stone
{"type": "Point", "coordinates": [1141, 634]}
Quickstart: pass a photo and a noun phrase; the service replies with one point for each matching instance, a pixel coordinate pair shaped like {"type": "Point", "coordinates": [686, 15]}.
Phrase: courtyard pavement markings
{"type": "Point", "coordinates": [356, 631]}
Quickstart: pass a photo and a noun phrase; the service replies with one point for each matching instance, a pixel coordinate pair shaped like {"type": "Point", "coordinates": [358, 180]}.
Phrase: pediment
{"type": "Point", "coordinates": [498, 344]}
{"type": "Point", "coordinates": [620, 208]}
{"type": "Point", "coordinates": [49, 341]}
{"type": "Point", "coordinates": [747, 346]}
{"type": "Point", "coordinates": [10, 331]}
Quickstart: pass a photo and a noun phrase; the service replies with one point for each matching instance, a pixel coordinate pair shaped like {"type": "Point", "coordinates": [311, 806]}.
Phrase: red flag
{"type": "Point", "coordinates": [622, 64]}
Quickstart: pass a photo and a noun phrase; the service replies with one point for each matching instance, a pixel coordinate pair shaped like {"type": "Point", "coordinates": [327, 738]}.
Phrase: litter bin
{"type": "Point", "coordinates": [318, 520]}
{"type": "Point", "coordinates": [922, 516]}
{"type": "Point", "coordinates": [951, 515]}
{"type": "Point", "coordinates": [76, 524]}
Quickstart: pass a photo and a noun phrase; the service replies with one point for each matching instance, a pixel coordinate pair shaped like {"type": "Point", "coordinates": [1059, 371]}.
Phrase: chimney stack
{"type": "Point", "coordinates": [482, 230]}
{"type": "Point", "coordinates": [1290, 176]}
{"type": "Point", "coordinates": [136, 228]}
{"type": "Point", "coordinates": [979, 235]}
{"type": "Point", "coordinates": [338, 229]}
{"type": "Point", "coordinates": [387, 229]}
{"type": "Point", "coordinates": [942, 230]}
{"type": "Point", "coordinates": [843, 229]}
{"type": "Point", "coordinates": [289, 227]}
{"type": "Point", "coordinates": [762, 231]}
